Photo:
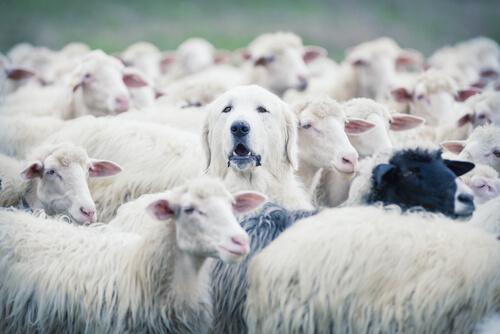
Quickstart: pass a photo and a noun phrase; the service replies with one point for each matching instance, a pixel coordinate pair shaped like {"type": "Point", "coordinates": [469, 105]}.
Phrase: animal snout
{"type": "Point", "coordinates": [349, 162]}
{"type": "Point", "coordinates": [122, 103]}
{"type": "Point", "coordinates": [240, 129]}
{"type": "Point", "coordinates": [466, 199]}
{"type": "Point", "coordinates": [241, 241]}
{"type": "Point", "coordinates": [88, 213]}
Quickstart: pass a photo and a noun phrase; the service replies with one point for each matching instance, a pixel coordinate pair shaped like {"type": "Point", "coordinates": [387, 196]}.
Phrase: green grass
{"type": "Point", "coordinates": [336, 25]}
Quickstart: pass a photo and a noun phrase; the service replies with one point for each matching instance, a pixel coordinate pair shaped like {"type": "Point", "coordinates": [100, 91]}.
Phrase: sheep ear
{"type": "Point", "coordinates": [35, 169]}
{"type": "Point", "coordinates": [357, 126]}
{"type": "Point", "coordinates": [454, 146]}
{"type": "Point", "coordinates": [161, 209]}
{"type": "Point", "coordinates": [464, 94]}
{"type": "Point", "coordinates": [133, 79]}
{"type": "Point", "coordinates": [458, 167]}
{"type": "Point", "coordinates": [467, 118]}
{"type": "Point", "coordinates": [401, 95]}
{"type": "Point", "coordinates": [100, 168]}
{"type": "Point", "coordinates": [246, 201]}
{"type": "Point", "coordinates": [409, 57]}
{"type": "Point", "coordinates": [312, 53]}
{"type": "Point", "coordinates": [205, 143]}
{"type": "Point", "coordinates": [383, 172]}
{"type": "Point", "coordinates": [291, 138]}
{"type": "Point", "coordinates": [166, 62]}
{"type": "Point", "coordinates": [402, 122]}
{"type": "Point", "coordinates": [19, 73]}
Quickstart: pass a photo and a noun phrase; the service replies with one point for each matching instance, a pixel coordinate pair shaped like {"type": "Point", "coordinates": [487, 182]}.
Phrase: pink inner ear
{"type": "Point", "coordinates": [103, 168]}
{"type": "Point", "coordinates": [161, 209]}
{"type": "Point", "coordinates": [166, 61]}
{"type": "Point", "coordinates": [357, 126]}
{"type": "Point", "coordinates": [247, 201]}
{"type": "Point", "coordinates": [405, 122]}
{"type": "Point", "coordinates": [19, 73]}
{"type": "Point", "coordinates": [453, 146]}
{"type": "Point", "coordinates": [464, 94]}
{"type": "Point", "coordinates": [313, 53]}
{"type": "Point", "coordinates": [401, 95]}
{"type": "Point", "coordinates": [464, 120]}
{"type": "Point", "coordinates": [134, 81]}
{"type": "Point", "coordinates": [33, 170]}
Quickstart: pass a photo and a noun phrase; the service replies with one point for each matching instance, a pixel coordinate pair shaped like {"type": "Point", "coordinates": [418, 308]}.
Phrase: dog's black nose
{"type": "Point", "coordinates": [240, 128]}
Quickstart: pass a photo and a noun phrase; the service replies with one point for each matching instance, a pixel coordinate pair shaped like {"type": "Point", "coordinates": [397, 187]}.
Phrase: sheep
{"type": "Point", "coordinates": [369, 70]}
{"type": "Point", "coordinates": [484, 182]}
{"type": "Point", "coordinates": [413, 177]}
{"type": "Point", "coordinates": [323, 143]}
{"type": "Point", "coordinates": [144, 56]}
{"type": "Point", "coordinates": [97, 86]}
{"type": "Point", "coordinates": [487, 216]}
{"type": "Point", "coordinates": [277, 61]}
{"type": "Point", "coordinates": [483, 110]}
{"type": "Point", "coordinates": [229, 282]}
{"type": "Point", "coordinates": [377, 139]}
{"type": "Point", "coordinates": [482, 146]}
{"type": "Point", "coordinates": [374, 270]}
{"type": "Point", "coordinates": [157, 157]}
{"type": "Point", "coordinates": [19, 134]}
{"type": "Point", "coordinates": [55, 180]}
{"type": "Point", "coordinates": [63, 278]}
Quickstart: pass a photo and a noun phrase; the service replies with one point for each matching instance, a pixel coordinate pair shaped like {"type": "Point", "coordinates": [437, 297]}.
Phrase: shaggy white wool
{"type": "Point", "coordinates": [372, 270]}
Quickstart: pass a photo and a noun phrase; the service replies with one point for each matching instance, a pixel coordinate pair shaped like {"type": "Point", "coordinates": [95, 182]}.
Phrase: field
{"type": "Point", "coordinates": [113, 25]}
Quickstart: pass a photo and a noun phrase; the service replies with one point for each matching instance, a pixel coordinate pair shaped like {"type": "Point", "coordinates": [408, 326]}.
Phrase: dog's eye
{"type": "Point", "coordinates": [262, 109]}
{"type": "Point", "coordinates": [227, 109]}
{"type": "Point", "coordinates": [189, 210]}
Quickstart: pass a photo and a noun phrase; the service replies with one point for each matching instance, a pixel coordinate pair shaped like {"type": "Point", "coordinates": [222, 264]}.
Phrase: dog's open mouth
{"type": "Point", "coordinates": [242, 157]}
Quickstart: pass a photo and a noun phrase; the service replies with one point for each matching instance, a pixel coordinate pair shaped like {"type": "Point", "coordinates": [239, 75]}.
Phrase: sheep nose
{"type": "Point", "coordinates": [466, 199]}
{"type": "Point", "coordinates": [488, 73]}
{"type": "Point", "coordinates": [241, 241]}
{"type": "Point", "coordinates": [122, 103]}
{"type": "Point", "coordinates": [303, 83]}
{"type": "Point", "coordinates": [240, 128]}
{"type": "Point", "coordinates": [88, 213]}
{"type": "Point", "coordinates": [349, 162]}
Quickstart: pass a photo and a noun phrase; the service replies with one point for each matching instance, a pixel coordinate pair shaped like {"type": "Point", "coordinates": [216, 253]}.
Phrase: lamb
{"type": "Point", "coordinates": [230, 281]}
{"type": "Point", "coordinates": [156, 281]}
{"type": "Point", "coordinates": [484, 182]}
{"type": "Point", "coordinates": [413, 177]}
{"type": "Point", "coordinates": [482, 147]}
{"type": "Point", "coordinates": [144, 56]}
{"type": "Point", "coordinates": [323, 143]}
{"type": "Point", "coordinates": [243, 161]}
{"type": "Point", "coordinates": [483, 109]}
{"type": "Point", "coordinates": [97, 86]}
{"type": "Point", "coordinates": [277, 61]}
{"type": "Point", "coordinates": [329, 273]}
{"type": "Point", "coordinates": [54, 180]}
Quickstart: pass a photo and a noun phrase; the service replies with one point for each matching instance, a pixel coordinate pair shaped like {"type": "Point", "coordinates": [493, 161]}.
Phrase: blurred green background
{"type": "Point", "coordinates": [335, 25]}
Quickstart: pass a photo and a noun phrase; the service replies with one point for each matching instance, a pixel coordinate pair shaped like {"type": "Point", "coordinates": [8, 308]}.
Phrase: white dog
{"type": "Point", "coordinates": [250, 140]}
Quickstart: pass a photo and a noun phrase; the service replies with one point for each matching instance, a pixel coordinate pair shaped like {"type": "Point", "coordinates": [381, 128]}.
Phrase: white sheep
{"type": "Point", "coordinates": [103, 279]}
{"type": "Point", "coordinates": [487, 216]}
{"type": "Point", "coordinates": [484, 182]}
{"type": "Point", "coordinates": [483, 109]}
{"type": "Point", "coordinates": [482, 147]}
{"type": "Point", "coordinates": [97, 86]}
{"type": "Point", "coordinates": [373, 270]}
{"type": "Point", "coordinates": [144, 56]}
{"type": "Point", "coordinates": [54, 179]}
{"type": "Point", "coordinates": [278, 61]}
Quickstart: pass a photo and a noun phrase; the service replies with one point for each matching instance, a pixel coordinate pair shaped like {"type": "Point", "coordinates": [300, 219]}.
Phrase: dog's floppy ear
{"type": "Point", "coordinates": [291, 146]}
{"type": "Point", "coordinates": [205, 132]}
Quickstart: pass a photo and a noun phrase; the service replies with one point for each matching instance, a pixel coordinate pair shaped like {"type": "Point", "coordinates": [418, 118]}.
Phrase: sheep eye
{"type": "Point", "coordinates": [262, 110]}
{"type": "Point", "coordinates": [496, 153]}
{"type": "Point", "coordinates": [482, 116]}
{"type": "Point", "coordinates": [50, 172]}
{"type": "Point", "coordinates": [227, 109]}
{"type": "Point", "coordinates": [189, 210]}
{"type": "Point", "coordinates": [306, 126]}
{"type": "Point", "coordinates": [420, 97]}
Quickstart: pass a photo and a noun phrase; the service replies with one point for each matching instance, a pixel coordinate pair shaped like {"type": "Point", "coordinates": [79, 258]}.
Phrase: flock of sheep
{"type": "Point", "coordinates": [264, 190]}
